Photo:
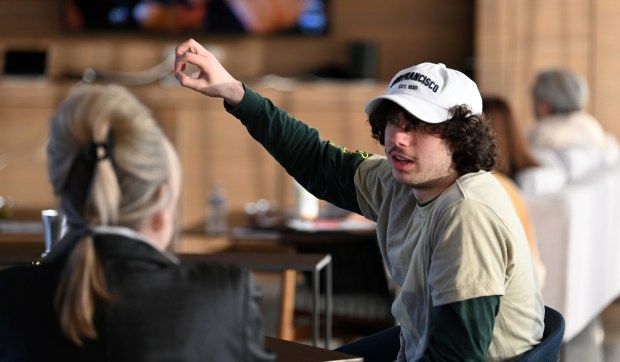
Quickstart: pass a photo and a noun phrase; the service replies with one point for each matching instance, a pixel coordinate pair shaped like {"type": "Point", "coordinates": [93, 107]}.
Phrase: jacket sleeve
{"type": "Point", "coordinates": [322, 167]}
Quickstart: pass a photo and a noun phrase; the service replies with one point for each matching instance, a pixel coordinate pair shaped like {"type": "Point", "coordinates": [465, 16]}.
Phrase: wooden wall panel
{"type": "Point", "coordinates": [212, 144]}
{"type": "Point", "coordinates": [23, 168]}
{"type": "Point", "coordinates": [605, 69]}
{"type": "Point", "coordinates": [409, 32]}
{"type": "Point", "coordinates": [405, 32]}
{"type": "Point", "coordinates": [29, 18]}
{"type": "Point", "coordinates": [516, 39]}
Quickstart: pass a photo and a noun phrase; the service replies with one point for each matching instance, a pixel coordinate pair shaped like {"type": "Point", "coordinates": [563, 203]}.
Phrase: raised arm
{"type": "Point", "coordinates": [323, 168]}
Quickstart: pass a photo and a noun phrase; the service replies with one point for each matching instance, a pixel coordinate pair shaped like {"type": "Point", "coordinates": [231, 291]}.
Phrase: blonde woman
{"type": "Point", "coordinates": [109, 290]}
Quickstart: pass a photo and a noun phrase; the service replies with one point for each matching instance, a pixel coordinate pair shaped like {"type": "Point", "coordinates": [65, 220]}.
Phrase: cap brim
{"type": "Point", "coordinates": [423, 110]}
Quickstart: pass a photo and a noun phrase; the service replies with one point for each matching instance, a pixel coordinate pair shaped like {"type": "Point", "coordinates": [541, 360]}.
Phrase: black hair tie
{"type": "Point", "coordinates": [84, 232]}
{"type": "Point", "coordinates": [98, 151]}
{"type": "Point", "coordinates": [95, 152]}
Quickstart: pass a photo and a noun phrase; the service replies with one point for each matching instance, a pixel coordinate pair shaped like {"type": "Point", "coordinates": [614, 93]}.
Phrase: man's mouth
{"type": "Point", "coordinates": [401, 159]}
{"type": "Point", "coordinates": [400, 162]}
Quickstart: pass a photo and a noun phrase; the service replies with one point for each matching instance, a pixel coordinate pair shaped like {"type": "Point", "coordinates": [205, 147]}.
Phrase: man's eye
{"type": "Point", "coordinates": [392, 120]}
{"type": "Point", "coordinates": [415, 124]}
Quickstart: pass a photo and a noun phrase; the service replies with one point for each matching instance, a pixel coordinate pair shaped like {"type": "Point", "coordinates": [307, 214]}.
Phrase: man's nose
{"type": "Point", "coordinates": [401, 137]}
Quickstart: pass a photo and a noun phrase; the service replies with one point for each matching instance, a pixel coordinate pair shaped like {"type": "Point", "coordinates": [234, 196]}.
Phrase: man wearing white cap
{"type": "Point", "coordinates": [448, 233]}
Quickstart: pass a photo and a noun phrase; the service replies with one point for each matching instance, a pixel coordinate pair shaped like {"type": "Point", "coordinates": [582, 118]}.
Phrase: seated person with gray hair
{"type": "Point", "coordinates": [564, 134]}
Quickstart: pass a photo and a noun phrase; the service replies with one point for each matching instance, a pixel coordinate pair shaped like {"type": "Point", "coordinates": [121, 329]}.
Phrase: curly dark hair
{"type": "Point", "coordinates": [470, 136]}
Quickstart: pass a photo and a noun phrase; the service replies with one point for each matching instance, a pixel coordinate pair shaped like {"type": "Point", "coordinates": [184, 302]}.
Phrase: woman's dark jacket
{"type": "Point", "coordinates": [163, 310]}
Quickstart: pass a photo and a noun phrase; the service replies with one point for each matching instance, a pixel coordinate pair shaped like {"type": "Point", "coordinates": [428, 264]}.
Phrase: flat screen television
{"type": "Point", "coordinates": [199, 17]}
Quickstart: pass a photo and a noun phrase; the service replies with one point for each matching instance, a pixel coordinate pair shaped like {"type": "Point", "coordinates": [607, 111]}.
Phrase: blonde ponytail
{"type": "Point", "coordinates": [106, 192]}
{"type": "Point", "coordinates": [81, 283]}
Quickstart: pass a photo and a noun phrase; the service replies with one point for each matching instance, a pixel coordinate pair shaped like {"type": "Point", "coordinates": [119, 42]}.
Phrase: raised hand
{"type": "Point", "coordinates": [213, 79]}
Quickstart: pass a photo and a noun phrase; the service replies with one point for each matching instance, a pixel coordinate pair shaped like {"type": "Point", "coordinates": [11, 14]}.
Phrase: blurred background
{"type": "Point", "coordinates": [321, 60]}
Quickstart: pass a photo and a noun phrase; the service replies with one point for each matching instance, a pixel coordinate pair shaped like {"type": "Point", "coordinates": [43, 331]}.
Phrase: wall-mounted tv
{"type": "Point", "coordinates": [221, 17]}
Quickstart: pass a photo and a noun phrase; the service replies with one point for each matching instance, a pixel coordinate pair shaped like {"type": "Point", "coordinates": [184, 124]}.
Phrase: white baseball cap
{"type": "Point", "coordinates": [428, 91]}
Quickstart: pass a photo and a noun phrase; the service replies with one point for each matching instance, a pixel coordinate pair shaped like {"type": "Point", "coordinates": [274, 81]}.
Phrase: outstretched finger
{"type": "Point", "coordinates": [187, 81]}
{"type": "Point", "coordinates": [191, 46]}
{"type": "Point", "coordinates": [180, 62]}
{"type": "Point", "coordinates": [188, 46]}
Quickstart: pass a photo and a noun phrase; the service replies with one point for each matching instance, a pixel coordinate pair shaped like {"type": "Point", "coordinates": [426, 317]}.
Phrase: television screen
{"type": "Point", "coordinates": [255, 17]}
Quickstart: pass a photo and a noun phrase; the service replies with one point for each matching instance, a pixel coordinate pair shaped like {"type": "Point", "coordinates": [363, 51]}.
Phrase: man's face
{"type": "Point", "coordinates": [418, 159]}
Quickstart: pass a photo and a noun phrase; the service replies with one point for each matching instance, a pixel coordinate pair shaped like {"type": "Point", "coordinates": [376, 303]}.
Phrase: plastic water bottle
{"type": "Point", "coordinates": [217, 218]}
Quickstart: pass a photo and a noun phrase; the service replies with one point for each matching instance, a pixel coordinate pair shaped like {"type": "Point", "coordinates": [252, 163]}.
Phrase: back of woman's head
{"type": "Point", "coordinates": [513, 151]}
{"type": "Point", "coordinates": [107, 157]}
{"type": "Point", "coordinates": [109, 164]}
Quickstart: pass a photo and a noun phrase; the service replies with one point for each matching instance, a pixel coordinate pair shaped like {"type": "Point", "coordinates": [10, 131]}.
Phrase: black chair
{"type": "Point", "coordinates": [548, 350]}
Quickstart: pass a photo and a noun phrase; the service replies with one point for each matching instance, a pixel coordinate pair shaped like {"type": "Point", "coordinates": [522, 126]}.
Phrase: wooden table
{"type": "Point", "coordinates": [287, 351]}
{"type": "Point", "coordinates": [360, 284]}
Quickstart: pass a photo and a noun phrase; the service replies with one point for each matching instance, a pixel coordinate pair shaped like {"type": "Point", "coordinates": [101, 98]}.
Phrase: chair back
{"type": "Point", "coordinates": [548, 350]}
